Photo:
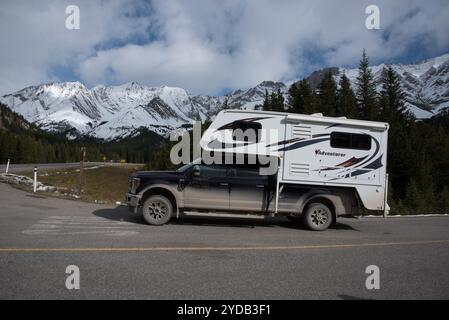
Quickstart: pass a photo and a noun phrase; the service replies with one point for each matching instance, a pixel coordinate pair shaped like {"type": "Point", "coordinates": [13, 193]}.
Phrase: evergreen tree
{"type": "Point", "coordinates": [327, 95]}
{"type": "Point", "coordinates": [277, 101]}
{"type": "Point", "coordinates": [391, 102]}
{"type": "Point", "coordinates": [393, 111]}
{"type": "Point", "coordinates": [302, 99]}
{"type": "Point", "coordinates": [310, 98]}
{"type": "Point", "coordinates": [281, 101]}
{"type": "Point", "coordinates": [273, 101]}
{"type": "Point", "coordinates": [293, 101]}
{"type": "Point", "coordinates": [266, 102]}
{"type": "Point", "coordinates": [366, 90]}
{"type": "Point", "coordinates": [346, 100]}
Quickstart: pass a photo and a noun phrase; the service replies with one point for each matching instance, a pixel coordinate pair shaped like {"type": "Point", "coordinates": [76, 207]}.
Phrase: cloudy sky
{"type": "Point", "coordinates": [208, 46]}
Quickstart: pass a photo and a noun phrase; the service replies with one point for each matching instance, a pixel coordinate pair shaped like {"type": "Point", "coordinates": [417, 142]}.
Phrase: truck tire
{"type": "Point", "coordinates": [317, 217]}
{"type": "Point", "coordinates": [157, 210]}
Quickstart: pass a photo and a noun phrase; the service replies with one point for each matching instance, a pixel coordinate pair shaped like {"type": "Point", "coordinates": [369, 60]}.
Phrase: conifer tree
{"type": "Point", "coordinates": [393, 111]}
{"type": "Point", "coordinates": [302, 99]}
{"type": "Point", "coordinates": [273, 101]}
{"type": "Point", "coordinates": [266, 102]}
{"type": "Point", "coordinates": [310, 98]}
{"type": "Point", "coordinates": [277, 101]}
{"type": "Point", "coordinates": [293, 102]}
{"type": "Point", "coordinates": [346, 100]}
{"type": "Point", "coordinates": [281, 100]}
{"type": "Point", "coordinates": [366, 90]}
{"type": "Point", "coordinates": [327, 95]}
{"type": "Point", "coordinates": [391, 101]}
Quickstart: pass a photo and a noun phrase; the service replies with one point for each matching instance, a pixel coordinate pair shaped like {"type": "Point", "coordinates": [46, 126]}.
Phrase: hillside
{"type": "Point", "coordinates": [23, 142]}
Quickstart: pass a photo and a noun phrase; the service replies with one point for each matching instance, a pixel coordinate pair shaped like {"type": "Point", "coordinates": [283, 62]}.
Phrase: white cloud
{"type": "Point", "coordinates": [34, 38]}
{"type": "Point", "coordinates": [206, 46]}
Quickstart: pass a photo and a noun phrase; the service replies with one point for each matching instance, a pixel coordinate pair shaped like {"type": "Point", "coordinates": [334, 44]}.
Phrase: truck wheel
{"type": "Point", "coordinates": [317, 217]}
{"type": "Point", "coordinates": [157, 210]}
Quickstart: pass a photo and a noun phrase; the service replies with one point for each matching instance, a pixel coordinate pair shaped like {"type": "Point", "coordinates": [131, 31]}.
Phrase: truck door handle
{"type": "Point", "coordinates": [224, 184]}
{"type": "Point", "coordinates": [260, 186]}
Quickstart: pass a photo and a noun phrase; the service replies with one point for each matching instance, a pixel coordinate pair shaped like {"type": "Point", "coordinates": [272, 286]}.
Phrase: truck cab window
{"type": "Point", "coordinates": [243, 172]}
{"type": "Point", "coordinates": [212, 171]}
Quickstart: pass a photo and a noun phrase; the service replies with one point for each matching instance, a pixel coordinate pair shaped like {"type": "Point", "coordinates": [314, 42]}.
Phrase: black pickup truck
{"type": "Point", "coordinates": [231, 190]}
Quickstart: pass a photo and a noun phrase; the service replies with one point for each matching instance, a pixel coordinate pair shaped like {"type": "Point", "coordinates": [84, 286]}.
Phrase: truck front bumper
{"type": "Point", "coordinates": [133, 202]}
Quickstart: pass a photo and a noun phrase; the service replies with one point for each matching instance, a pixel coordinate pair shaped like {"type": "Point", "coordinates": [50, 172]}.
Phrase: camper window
{"type": "Point", "coordinates": [246, 131]}
{"type": "Point", "coordinates": [346, 140]}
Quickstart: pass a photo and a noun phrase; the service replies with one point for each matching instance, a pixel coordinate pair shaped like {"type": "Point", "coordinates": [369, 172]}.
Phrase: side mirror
{"type": "Point", "coordinates": [196, 171]}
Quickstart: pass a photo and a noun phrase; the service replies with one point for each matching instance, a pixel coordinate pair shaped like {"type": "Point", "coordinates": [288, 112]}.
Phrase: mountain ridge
{"type": "Point", "coordinates": [114, 112]}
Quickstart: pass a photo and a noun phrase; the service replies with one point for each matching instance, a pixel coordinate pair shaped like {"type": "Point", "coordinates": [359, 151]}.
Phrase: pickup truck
{"type": "Point", "coordinates": [232, 190]}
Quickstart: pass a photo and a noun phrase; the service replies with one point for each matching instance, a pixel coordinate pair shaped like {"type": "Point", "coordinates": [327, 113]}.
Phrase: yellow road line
{"type": "Point", "coordinates": [154, 249]}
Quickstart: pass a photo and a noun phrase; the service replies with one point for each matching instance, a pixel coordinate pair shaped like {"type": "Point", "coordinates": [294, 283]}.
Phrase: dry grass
{"type": "Point", "coordinates": [101, 185]}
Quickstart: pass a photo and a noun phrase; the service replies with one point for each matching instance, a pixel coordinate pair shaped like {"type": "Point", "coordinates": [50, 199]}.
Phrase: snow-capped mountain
{"type": "Point", "coordinates": [425, 84]}
{"type": "Point", "coordinates": [104, 112]}
{"type": "Point", "coordinates": [111, 112]}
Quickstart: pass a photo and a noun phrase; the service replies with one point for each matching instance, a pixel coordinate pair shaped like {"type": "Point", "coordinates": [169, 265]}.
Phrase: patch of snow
{"type": "Point", "coordinates": [24, 180]}
{"type": "Point", "coordinates": [110, 112]}
{"type": "Point", "coordinates": [406, 216]}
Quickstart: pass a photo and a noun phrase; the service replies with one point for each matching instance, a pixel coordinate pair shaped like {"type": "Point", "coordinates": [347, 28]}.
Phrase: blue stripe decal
{"type": "Point", "coordinates": [303, 144]}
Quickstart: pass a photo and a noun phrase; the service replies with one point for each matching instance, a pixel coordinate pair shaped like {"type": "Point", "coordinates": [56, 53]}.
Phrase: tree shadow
{"type": "Point", "coordinates": [121, 213]}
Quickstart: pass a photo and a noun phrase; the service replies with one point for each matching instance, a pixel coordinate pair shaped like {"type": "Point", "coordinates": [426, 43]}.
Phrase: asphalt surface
{"type": "Point", "coordinates": [15, 168]}
{"type": "Point", "coordinates": [120, 257]}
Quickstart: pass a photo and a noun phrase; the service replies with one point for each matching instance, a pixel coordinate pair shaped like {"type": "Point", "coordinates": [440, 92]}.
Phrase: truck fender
{"type": "Point", "coordinates": [327, 196]}
{"type": "Point", "coordinates": [173, 191]}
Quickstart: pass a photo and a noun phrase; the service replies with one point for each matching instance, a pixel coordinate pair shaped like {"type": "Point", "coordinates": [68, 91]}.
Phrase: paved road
{"type": "Point", "coordinates": [120, 257]}
{"type": "Point", "coordinates": [15, 168]}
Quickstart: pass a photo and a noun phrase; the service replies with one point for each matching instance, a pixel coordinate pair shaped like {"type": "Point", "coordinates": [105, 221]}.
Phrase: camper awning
{"type": "Point", "coordinates": [381, 126]}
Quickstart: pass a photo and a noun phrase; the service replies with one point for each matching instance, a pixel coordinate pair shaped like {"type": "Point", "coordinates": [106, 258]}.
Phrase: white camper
{"type": "Point", "coordinates": [319, 152]}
